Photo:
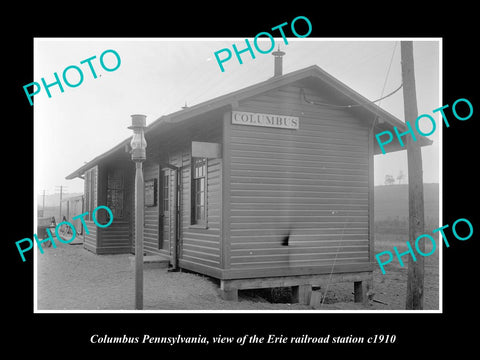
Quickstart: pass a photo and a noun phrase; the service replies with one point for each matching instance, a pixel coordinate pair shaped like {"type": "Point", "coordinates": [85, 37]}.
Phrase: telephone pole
{"type": "Point", "coordinates": [61, 194]}
{"type": "Point", "coordinates": [43, 204]}
{"type": "Point", "coordinates": [415, 281]}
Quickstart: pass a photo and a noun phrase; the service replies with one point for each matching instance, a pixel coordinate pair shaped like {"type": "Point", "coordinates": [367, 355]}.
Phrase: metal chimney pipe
{"type": "Point", "coordinates": [278, 62]}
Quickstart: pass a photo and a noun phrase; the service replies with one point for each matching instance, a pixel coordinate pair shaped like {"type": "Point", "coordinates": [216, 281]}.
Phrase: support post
{"type": "Point", "coordinates": [301, 294]}
{"type": "Point", "coordinates": [359, 292]}
{"type": "Point", "coordinates": [139, 210]}
{"type": "Point", "coordinates": [227, 292]}
{"type": "Point", "coordinates": [139, 155]}
{"type": "Point", "coordinates": [415, 281]}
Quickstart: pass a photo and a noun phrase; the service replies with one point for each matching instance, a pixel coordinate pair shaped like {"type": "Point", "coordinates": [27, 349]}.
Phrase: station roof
{"type": "Point", "coordinates": [312, 76]}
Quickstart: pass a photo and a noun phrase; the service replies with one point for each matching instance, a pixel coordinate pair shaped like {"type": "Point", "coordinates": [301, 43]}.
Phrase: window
{"type": "Point", "coordinates": [199, 190]}
{"type": "Point", "coordinates": [166, 192]}
{"type": "Point", "coordinates": [115, 192]}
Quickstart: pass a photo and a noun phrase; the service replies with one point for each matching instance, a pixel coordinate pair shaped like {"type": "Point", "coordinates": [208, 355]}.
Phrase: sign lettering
{"type": "Point", "coordinates": [268, 120]}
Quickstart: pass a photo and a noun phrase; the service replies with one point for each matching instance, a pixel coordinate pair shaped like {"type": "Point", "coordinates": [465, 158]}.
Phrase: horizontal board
{"type": "Point", "coordinates": [298, 240]}
{"type": "Point", "coordinates": [274, 255]}
{"type": "Point", "coordinates": [298, 181]}
{"type": "Point", "coordinates": [325, 164]}
{"type": "Point", "coordinates": [247, 153]}
{"type": "Point", "coordinates": [115, 242]}
{"type": "Point", "coordinates": [212, 249]}
{"type": "Point", "coordinates": [200, 234]}
{"type": "Point", "coordinates": [209, 242]}
{"type": "Point", "coordinates": [286, 264]}
{"type": "Point", "coordinates": [300, 206]}
{"type": "Point", "coordinates": [300, 232]}
{"type": "Point", "coordinates": [261, 171]}
{"type": "Point", "coordinates": [334, 271]}
{"type": "Point", "coordinates": [299, 250]}
{"type": "Point", "coordinates": [211, 257]}
{"type": "Point", "coordinates": [200, 260]}
{"type": "Point", "coordinates": [287, 226]}
{"type": "Point", "coordinates": [354, 136]}
{"type": "Point", "coordinates": [271, 244]}
{"type": "Point", "coordinates": [300, 193]}
{"type": "Point", "coordinates": [295, 188]}
{"type": "Point", "coordinates": [311, 137]}
{"type": "Point", "coordinates": [300, 142]}
{"type": "Point", "coordinates": [320, 198]}
{"type": "Point", "coordinates": [289, 212]}
{"type": "Point", "coordinates": [297, 220]}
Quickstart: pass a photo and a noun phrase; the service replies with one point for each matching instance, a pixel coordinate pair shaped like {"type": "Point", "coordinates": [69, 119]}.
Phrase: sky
{"type": "Point", "coordinates": [159, 76]}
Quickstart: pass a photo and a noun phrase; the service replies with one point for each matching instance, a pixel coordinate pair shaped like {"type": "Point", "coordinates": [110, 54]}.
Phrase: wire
{"type": "Point", "coordinates": [350, 105]}
{"type": "Point", "coordinates": [383, 89]}
{"type": "Point", "coordinates": [389, 67]}
{"type": "Point", "coordinates": [334, 262]}
{"type": "Point", "coordinates": [371, 129]}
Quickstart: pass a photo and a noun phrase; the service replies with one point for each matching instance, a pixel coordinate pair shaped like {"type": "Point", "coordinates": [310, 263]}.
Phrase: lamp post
{"type": "Point", "coordinates": [138, 152]}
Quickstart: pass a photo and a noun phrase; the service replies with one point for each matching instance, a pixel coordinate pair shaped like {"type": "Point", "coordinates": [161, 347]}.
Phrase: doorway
{"type": "Point", "coordinates": [164, 210]}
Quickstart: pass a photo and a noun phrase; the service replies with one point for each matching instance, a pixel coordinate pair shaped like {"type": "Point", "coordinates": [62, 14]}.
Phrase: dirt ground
{"type": "Point", "coordinates": [72, 278]}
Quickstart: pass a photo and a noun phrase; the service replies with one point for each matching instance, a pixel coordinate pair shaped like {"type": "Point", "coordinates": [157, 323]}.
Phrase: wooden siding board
{"type": "Point", "coordinates": [311, 137]}
{"type": "Point", "coordinates": [302, 150]}
{"type": "Point", "coordinates": [299, 194]}
{"type": "Point", "coordinates": [310, 184]}
{"type": "Point", "coordinates": [300, 233]}
{"type": "Point", "coordinates": [328, 163]}
{"type": "Point", "coordinates": [200, 246]}
{"type": "Point", "coordinates": [267, 244]}
{"type": "Point", "coordinates": [247, 153]}
{"type": "Point", "coordinates": [206, 269]}
{"type": "Point", "coordinates": [305, 142]}
{"type": "Point", "coordinates": [90, 239]}
{"type": "Point", "coordinates": [319, 198]}
{"type": "Point", "coordinates": [303, 269]}
{"type": "Point", "coordinates": [242, 228]}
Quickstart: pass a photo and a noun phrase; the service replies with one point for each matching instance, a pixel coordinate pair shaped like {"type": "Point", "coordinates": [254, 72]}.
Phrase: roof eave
{"type": "Point", "coordinates": [252, 90]}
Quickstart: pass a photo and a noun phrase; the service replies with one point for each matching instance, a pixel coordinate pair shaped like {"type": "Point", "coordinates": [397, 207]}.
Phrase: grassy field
{"type": "Point", "coordinates": [391, 210]}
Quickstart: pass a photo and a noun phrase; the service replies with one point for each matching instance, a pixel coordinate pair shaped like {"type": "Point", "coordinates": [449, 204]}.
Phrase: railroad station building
{"type": "Point", "coordinates": [268, 186]}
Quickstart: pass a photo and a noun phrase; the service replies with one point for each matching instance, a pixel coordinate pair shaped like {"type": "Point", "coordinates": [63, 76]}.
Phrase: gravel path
{"type": "Point", "coordinates": [72, 278]}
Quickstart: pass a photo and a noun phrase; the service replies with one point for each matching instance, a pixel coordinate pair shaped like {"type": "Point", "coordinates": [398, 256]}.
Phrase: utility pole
{"type": "Point", "coordinates": [43, 204]}
{"type": "Point", "coordinates": [415, 281]}
{"type": "Point", "coordinates": [61, 194]}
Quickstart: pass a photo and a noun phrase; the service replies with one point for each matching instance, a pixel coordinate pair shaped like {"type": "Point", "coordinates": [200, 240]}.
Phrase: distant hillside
{"type": "Point", "coordinates": [391, 206]}
{"type": "Point", "coordinates": [392, 201]}
{"type": "Point", "coordinates": [52, 204]}
{"type": "Point", "coordinates": [54, 199]}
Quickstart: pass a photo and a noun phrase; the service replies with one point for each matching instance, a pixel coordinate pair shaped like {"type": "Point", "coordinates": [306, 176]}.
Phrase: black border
{"type": "Point", "coordinates": [415, 332]}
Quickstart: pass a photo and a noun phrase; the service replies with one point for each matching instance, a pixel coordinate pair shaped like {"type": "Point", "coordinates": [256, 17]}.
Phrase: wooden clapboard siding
{"type": "Point", "coordinates": [310, 186]}
{"type": "Point", "coordinates": [90, 239]}
{"type": "Point", "coordinates": [201, 245]}
{"type": "Point", "coordinates": [114, 238]}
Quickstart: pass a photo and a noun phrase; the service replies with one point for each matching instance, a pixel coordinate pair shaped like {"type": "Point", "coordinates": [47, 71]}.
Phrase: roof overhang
{"type": "Point", "coordinates": [314, 74]}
